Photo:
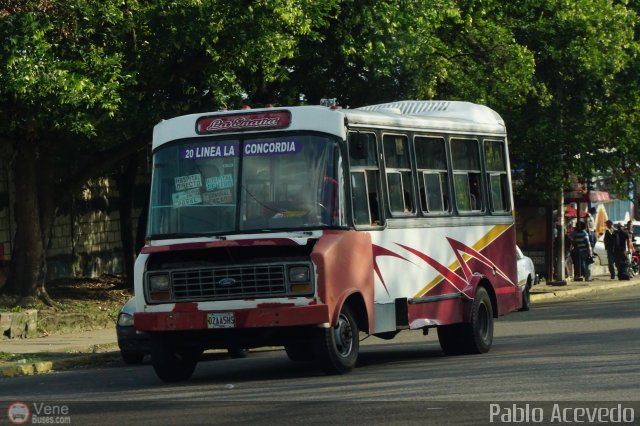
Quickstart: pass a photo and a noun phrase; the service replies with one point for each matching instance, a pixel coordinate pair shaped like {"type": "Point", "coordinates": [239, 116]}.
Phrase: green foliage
{"type": "Point", "coordinates": [58, 70]}
{"type": "Point", "coordinates": [571, 125]}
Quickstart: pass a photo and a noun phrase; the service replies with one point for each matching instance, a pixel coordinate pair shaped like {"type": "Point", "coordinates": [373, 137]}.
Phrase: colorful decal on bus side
{"type": "Point", "coordinates": [462, 252]}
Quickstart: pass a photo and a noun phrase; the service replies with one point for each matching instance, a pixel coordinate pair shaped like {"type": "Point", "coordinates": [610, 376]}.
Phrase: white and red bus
{"type": "Point", "coordinates": [305, 227]}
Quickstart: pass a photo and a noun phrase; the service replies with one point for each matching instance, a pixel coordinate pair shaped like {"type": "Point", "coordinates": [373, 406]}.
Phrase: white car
{"type": "Point", "coordinates": [600, 252]}
{"type": "Point", "coordinates": [527, 277]}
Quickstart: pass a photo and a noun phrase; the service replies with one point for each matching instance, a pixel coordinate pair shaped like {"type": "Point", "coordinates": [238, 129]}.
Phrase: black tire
{"type": "Point", "coordinates": [299, 351]}
{"type": "Point", "coordinates": [337, 347]}
{"type": "Point", "coordinates": [526, 296]}
{"type": "Point", "coordinates": [171, 362]}
{"type": "Point", "coordinates": [238, 352]}
{"type": "Point", "coordinates": [132, 358]}
{"type": "Point", "coordinates": [474, 337]}
{"type": "Point", "coordinates": [450, 338]}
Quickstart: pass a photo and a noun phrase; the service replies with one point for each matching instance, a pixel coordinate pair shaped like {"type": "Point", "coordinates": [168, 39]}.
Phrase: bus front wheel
{"type": "Point", "coordinates": [474, 337]}
{"type": "Point", "coordinates": [337, 347]}
{"type": "Point", "coordinates": [171, 362]}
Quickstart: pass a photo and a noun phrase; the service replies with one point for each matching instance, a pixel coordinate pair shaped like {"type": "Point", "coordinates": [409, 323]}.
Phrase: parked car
{"type": "Point", "coordinates": [600, 252]}
{"type": "Point", "coordinates": [135, 345]}
{"type": "Point", "coordinates": [527, 277]}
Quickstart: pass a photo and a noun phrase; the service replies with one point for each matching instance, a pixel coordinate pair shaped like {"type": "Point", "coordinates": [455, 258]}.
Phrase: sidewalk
{"type": "Point", "coordinates": [545, 291]}
{"type": "Point", "coordinates": [58, 352]}
{"type": "Point", "coordinates": [61, 352]}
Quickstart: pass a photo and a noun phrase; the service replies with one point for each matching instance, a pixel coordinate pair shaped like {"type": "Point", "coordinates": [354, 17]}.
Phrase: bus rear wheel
{"type": "Point", "coordinates": [337, 347]}
{"type": "Point", "coordinates": [171, 362]}
{"type": "Point", "coordinates": [474, 337]}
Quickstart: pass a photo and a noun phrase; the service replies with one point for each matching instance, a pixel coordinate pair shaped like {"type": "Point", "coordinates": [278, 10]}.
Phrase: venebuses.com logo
{"type": "Point", "coordinates": [19, 413]}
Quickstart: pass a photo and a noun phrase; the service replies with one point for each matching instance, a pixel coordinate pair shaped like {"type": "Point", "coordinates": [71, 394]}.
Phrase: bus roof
{"type": "Point", "coordinates": [452, 116]}
{"type": "Point", "coordinates": [441, 115]}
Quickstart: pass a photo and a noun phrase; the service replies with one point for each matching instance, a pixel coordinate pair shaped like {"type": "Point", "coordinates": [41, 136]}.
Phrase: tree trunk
{"type": "Point", "coordinates": [126, 184]}
{"type": "Point", "coordinates": [28, 265]}
{"type": "Point", "coordinates": [141, 233]}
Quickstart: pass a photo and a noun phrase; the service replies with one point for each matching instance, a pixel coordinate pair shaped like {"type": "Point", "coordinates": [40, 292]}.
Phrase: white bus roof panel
{"type": "Point", "coordinates": [443, 115]}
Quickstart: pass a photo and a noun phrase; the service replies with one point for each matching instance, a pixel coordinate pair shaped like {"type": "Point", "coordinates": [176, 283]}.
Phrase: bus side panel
{"type": "Point", "coordinates": [344, 265]}
{"type": "Point", "coordinates": [443, 312]}
{"type": "Point", "coordinates": [505, 282]}
{"type": "Point", "coordinates": [445, 262]}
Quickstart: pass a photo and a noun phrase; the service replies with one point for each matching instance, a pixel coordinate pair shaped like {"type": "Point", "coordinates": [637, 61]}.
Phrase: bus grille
{"type": "Point", "coordinates": [229, 282]}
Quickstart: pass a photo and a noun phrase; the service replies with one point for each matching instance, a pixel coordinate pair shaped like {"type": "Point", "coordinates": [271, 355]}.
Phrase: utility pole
{"type": "Point", "coordinates": [559, 272]}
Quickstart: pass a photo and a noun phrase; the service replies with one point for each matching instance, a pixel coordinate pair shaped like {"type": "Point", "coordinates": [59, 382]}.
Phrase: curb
{"type": "Point", "coordinates": [583, 290]}
{"type": "Point", "coordinates": [72, 361]}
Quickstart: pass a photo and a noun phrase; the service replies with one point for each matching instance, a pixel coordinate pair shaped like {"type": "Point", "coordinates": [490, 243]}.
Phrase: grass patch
{"type": "Point", "coordinates": [97, 300]}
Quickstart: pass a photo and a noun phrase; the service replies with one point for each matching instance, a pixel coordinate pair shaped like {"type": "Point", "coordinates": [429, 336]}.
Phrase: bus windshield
{"type": "Point", "coordinates": [220, 186]}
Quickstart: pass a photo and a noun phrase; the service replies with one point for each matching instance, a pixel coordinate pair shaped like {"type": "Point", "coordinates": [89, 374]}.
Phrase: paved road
{"type": "Point", "coordinates": [582, 350]}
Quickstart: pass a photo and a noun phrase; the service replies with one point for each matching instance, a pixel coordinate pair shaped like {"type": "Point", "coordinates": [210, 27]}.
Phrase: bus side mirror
{"type": "Point", "coordinates": [359, 146]}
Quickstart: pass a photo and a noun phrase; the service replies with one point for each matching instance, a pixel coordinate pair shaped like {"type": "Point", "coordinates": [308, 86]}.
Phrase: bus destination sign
{"type": "Point", "coordinates": [243, 121]}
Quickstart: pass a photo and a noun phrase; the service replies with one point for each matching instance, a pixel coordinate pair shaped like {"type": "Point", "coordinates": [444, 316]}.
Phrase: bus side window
{"type": "Point", "coordinates": [398, 174]}
{"type": "Point", "coordinates": [360, 201]}
{"type": "Point", "coordinates": [474, 191]}
{"type": "Point", "coordinates": [497, 175]}
{"type": "Point", "coordinates": [365, 174]}
{"type": "Point", "coordinates": [433, 184]}
{"type": "Point", "coordinates": [467, 178]}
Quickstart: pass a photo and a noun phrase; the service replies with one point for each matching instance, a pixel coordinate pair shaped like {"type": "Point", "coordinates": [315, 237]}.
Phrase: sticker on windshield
{"type": "Point", "coordinates": [222, 196]}
{"type": "Point", "coordinates": [188, 182]}
{"type": "Point", "coordinates": [271, 148]}
{"type": "Point", "coordinates": [186, 198]}
{"type": "Point", "coordinates": [195, 152]}
{"type": "Point", "coordinates": [219, 182]}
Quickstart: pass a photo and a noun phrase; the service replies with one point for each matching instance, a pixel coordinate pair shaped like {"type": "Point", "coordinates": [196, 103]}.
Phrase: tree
{"type": "Point", "coordinates": [59, 78]}
{"type": "Point", "coordinates": [377, 51]}
{"type": "Point", "coordinates": [582, 50]}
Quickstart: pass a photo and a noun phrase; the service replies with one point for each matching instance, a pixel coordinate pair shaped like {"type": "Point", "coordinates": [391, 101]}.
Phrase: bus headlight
{"type": "Point", "coordinates": [298, 274]}
{"type": "Point", "coordinates": [159, 282]}
{"type": "Point", "coordinates": [300, 279]}
{"type": "Point", "coordinates": [159, 286]}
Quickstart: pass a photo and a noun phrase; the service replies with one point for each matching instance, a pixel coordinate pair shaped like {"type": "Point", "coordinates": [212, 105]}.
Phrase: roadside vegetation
{"type": "Point", "coordinates": [81, 304]}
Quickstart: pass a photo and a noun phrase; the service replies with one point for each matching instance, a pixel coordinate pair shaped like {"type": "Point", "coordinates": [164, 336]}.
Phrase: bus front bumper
{"type": "Point", "coordinates": [186, 316]}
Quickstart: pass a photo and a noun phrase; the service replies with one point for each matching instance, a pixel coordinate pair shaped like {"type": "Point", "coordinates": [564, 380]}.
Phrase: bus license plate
{"type": "Point", "coordinates": [221, 320]}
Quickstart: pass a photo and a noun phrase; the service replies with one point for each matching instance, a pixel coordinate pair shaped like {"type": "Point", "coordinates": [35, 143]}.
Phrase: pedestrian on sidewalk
{"type": "Point", "coordinates": [622, 249]}
{"type": "Point", "coordinates": [609, 245]}
{"type": "Point", "coordinates": [591, 226]}
{"type": "Point", "coordinates": [582, 254]}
